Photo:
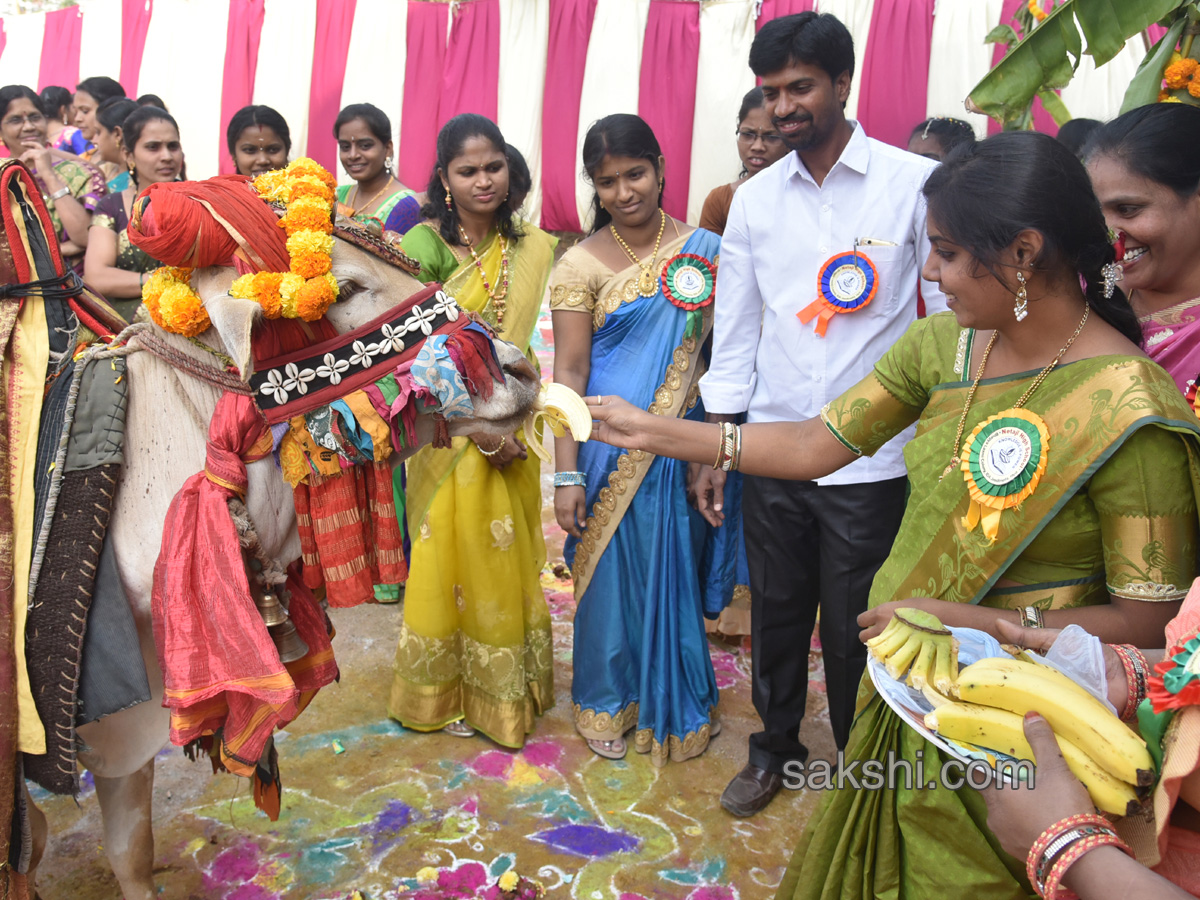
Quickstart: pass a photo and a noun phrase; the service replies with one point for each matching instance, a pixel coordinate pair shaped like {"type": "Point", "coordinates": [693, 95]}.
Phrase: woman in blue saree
{"type": "Point", "coordinates": [632, 307]}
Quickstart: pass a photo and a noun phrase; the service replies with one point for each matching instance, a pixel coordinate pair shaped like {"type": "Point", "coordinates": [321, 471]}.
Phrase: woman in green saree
{"type": "Point", "coordinates": [475, 645]}
{"type": "Point", "coordinates": [1053, 477]}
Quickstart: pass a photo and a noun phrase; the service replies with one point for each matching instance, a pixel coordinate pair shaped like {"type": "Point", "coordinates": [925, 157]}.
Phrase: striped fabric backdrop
{"type": "Point", "coordinates": [544, 69]}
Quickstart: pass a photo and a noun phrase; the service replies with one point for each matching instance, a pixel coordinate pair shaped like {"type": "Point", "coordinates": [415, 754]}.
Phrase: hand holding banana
{"type": "Point", "coordinates": [992, 697]}
{"type": "Point", "coordinates": [561, 409]}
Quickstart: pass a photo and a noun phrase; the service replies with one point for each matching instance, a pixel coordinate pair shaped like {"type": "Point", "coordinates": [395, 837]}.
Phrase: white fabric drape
{"type": "Point", "coordinates": [22, 57]}
{"type": "Point", "coordinates": [174, 69]}
{"type": "Point", "coordinates": [1097, 93]}
{"type": "Point", "coordinates": [722, 78]}
{"type": "Point", "coordinates": [100, 39]}
{"type": "Point", "coordinates": [611, 76]}
{"type": "Point", "coordinates": [856, 16]}
{"type": "Point", "coordinates": [283, 78]}
{"type": "Point", "coordinates": [375, 65]}
{"type": "Point", "coordinates": [524, 35]}
{"type": "Point", "coordinates": [956, 63]}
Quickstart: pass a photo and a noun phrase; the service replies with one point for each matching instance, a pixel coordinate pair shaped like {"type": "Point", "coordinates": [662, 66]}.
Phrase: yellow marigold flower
{"type": "Point", "coordinates": [310, 168]}
{"type": "Point", "coordinates": [315, 297]}
{"type": "Point", "coordinates": [181, 311]}
{"type": "Point", "coordinates": [427, 875]}
{"type": "Point", "coordinates": [310, 251]}
{"type": "Point", "coordinates": [289, 287]}
{"type": "Point", "coordinates": [1035, 8]}
{"type": "Point", "coordinates": [508, 881]}
{"type": "Point", "coordinates": [1172, 99]}
{"type": "Point", "coordinates": [242, 288]}
{"type": "Point", "coordinates": [271, 184]}
{"type": "Point", "coordinates": [1179, 74]}
{"type": "Point", "coordinates": [308, 186]}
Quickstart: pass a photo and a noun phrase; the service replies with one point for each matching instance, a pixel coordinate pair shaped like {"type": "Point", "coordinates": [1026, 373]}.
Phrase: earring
{"type": "Point", "coordinates": [1020, 308]}
{"type": "Point", "coordinates": [661, 182]}
{"type": "Point", "coordinates": [1111, 273]}
{"type": "Point", "coordinates": [601, 202]}
{"type": "Point", "coordinates": [387, 166]}
{"type": "Point", "coordinates": [449, 200]}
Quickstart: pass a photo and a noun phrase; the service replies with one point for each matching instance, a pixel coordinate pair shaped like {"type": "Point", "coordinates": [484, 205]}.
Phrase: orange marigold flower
{"type": "Point", "coordinates": [1179, 74]}
{"type": "Point", "coordinates": [289, 287]}
{"type": "Point", "coordinates": [1036, 9]}
{"type": "Point", "coordinates": [307, 214]}
{"type": "Point", "coordinates": [266, 292]}
{"type": "Point", "coordinates": [315, 297]}
{"type": "Point", "coordinates": [310, 251]}
{"type": "Point", "coordinates": [181, 310]}
{"type": "Point", "coordinates": [312, 169]}
{"type": "Point", "coordinates": [308, 186]}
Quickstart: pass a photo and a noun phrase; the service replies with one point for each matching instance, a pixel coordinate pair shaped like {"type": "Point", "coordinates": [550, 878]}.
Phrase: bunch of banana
{"type": "Point", "coordinates": [562, 409]}
{"type": "Point", "coordinates": [917, 641]}
{"type": "Point", "coordinates": [993, 696]}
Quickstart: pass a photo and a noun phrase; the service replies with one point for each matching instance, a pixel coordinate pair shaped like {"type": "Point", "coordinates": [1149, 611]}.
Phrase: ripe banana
{"type": "Point", "coordinates": [562, 409]}
{"type": "Point", "coordinates": [1003, 731]}
{"type": "Point", "coordinates": [917, 639]}
{"type": "Point", "coordinates": [1073, 713]}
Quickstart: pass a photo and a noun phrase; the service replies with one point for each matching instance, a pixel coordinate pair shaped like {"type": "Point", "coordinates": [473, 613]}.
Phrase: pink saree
{"type": "Point", "coordinates": [1171, 337]}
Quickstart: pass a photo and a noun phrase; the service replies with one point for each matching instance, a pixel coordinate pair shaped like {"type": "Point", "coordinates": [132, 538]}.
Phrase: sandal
{"type": "Point", "coordinates": [459, 729]}
{"type": "Point", "coordinates": [614, 749]}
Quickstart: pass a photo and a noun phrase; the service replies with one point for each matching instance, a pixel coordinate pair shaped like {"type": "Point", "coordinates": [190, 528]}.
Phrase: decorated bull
{"type": "Point", "coordinates": [292, 361]}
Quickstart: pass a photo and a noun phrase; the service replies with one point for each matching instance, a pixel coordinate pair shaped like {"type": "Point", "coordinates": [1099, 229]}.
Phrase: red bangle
{"type": "Point", "coordinates": [1054, 889]}
{"type": "Point", "coordinates": [1136, 670]}
{"type": "Point", "coordinates": [1035, 865]}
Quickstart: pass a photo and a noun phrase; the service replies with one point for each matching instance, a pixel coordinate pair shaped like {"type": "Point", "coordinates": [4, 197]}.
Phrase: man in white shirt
{"type": "Point", "coordinates": [812, 544]}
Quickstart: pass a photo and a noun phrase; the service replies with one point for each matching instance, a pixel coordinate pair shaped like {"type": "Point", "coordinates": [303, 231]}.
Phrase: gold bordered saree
{"type": "Point", "coordinates": [475, 643]}
{"type": "Point", "coordinates": [1115, 512]}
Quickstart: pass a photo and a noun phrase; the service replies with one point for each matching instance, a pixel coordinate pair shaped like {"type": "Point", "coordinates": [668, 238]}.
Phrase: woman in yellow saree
{"type": "Point", "coordinates": [1053, 476]}
{"type": "Point", "coordinates": [475, 645]}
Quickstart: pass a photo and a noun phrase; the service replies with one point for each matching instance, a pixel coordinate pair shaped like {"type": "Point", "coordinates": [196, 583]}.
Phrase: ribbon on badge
{"type": "Point", "coordinates": [1002, 462]}
{"type": "Point", "coordinates": [846, 283]}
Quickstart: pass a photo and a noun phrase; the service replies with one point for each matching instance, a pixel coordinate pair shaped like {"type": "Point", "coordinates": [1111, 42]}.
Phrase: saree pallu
{"type": "Point", "coordinates": [1171, 337]}
{"type": "Point", "coordinates": [1113, 421]}
{"type": "Point", "coordinates": [475, 643]}
{"type": "Point", "coordinates": [647, 559]}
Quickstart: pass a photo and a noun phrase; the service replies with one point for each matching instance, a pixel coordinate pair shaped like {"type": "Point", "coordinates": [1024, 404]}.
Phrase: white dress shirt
{"type": "Point", "coordinates": [782, 229]}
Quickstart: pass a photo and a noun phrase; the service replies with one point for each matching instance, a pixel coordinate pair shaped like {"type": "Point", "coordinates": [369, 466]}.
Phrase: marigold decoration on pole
{"type": "Point", "coordinates": [846, 283]}
{"type": "Point", "coordinates": [689, 282]}
{"type": "Point", "coordinates": [1002, 462]}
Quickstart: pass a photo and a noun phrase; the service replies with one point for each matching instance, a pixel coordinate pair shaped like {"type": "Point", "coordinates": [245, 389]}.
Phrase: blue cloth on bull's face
{"type": "Point", "coordinates": [435, 373]}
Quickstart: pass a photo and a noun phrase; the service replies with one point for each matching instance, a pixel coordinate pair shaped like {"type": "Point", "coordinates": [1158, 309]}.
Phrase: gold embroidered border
{"type": "Point", "coordinates": [1149, 591]}
{"type": "Point", "coordinates": [676, 749]}
{"type": "Point", "coordinates": [500, 672]}
{"type": "Point", "coordinates": [576, 298]}
{"type": "Point", "coordinates": [678, 393]}
{"type": "Point", "coordinates": [612, 302]}
{"type": "Point", "coordinates": [604, 726]}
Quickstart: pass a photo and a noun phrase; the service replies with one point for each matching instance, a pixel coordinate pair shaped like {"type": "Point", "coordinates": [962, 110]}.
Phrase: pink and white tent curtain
{"type": "Point", "coordinates": [543, 69]}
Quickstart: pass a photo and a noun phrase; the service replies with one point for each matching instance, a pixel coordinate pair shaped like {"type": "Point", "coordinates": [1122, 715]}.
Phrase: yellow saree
{"type": "Point", "coordinates": [475, 643]}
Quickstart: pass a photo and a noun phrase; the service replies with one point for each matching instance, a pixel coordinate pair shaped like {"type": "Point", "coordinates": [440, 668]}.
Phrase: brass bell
{"type": "Point", "coordinates": [288, 642]}
{"type": "Point", "coordinates": [270, 608]}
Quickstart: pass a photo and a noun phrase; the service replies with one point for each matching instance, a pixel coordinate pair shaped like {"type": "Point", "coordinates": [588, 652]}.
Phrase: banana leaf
{"type": "Point", "coordinates": [1148, 78]}
{"type": "Point", "coordinates": [1046, 59]}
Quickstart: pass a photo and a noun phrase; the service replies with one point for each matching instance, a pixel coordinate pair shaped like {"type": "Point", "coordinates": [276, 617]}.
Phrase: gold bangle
{"type": "Point", "coordinates": [720, 447]}
{"type": "Point", "coordinates": [499, 447]}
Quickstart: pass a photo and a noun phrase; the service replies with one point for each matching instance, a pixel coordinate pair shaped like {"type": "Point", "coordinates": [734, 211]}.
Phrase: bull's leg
{"type": "Point", "coordinates": [128, 838]}
{"type": "Point", "coordinates": [39, 831]}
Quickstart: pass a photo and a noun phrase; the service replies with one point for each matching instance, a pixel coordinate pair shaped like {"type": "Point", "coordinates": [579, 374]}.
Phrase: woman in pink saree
{"type": "Point", "coordinates": [1146, 172]}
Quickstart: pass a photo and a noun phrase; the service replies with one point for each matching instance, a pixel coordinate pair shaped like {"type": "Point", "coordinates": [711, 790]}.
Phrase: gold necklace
{"type": "Point", "coordinates": [496, 296]}
{"type": "Point", "coordinates": [357, 210]}
{"type": "Point", "coordinates": [647, 284]}
{"type": "Point", "coordinates": [956, 459]}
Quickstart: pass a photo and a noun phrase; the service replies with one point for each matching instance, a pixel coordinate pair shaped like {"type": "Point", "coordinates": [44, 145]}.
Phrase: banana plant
{"type": "Point", "coordinates": [1044, 56]}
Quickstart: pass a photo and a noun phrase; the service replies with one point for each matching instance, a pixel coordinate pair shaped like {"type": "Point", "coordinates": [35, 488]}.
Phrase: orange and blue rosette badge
{"type": "Point", "coordinates": [689, 282]}
{"type": "Point", "coordinates": [846, 283]}
{"type": "Point", "coordinates": [1002, 462]}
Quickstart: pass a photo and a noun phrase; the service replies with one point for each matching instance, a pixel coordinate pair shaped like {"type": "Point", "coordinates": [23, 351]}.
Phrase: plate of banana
{"type": "Point", "coordinates": [968, 697]}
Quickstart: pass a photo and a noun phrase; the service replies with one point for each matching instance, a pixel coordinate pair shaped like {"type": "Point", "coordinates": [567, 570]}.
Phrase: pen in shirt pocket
{"type": "Point", "coordinates": [873, 242]}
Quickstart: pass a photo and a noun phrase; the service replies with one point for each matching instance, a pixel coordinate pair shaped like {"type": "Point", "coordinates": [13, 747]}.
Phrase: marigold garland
{"type": "Point", "coordinates": [172, 304]}
{"type": "Point", "coordinates": [1036, 10]}
{"type": "Point", "coordinates": [307, 291]}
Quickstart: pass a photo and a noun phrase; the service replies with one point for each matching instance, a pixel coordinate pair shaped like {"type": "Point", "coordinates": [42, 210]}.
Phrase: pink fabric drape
{"type": "Point", "coordinates": [1042, 120]}
{"type": "Point", "coordinates": [773, 9]}
{"type": "Point", "coordinates": [471, 71]}
{"type": "Point", "coordinates": [60, 49]}
{"type": "Point", "coordinates": [422, 90]}
{"type": "Point", "coordinates": [335, 18]}
{"type": "Point", "coordinates": [570, 28]}
{"type": "Point", "coordinates": [135, 22]}
{"type": "Point", "coordinates": [242, 35]}
{"type": "Point", "coordinates": [667, 90]}
{"type": "Point", "coordinates": [895, 69]}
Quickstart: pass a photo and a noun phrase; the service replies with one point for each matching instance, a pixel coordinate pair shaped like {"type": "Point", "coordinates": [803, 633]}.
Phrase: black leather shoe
{"type": "Point", "coordinates": [751, 790]}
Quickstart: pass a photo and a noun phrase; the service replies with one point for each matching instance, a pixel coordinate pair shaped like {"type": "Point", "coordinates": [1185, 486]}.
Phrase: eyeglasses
{"type": "Point", "coordinates": [770, 138]}
{"type": "Point", "coordinates": [18, 121]}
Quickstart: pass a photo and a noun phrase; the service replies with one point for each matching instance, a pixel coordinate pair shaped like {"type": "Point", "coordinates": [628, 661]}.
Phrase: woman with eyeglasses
{"type": "Point", "coordinates": [70, 186]}
{"type": "Point", "coordinates": [759, 145]}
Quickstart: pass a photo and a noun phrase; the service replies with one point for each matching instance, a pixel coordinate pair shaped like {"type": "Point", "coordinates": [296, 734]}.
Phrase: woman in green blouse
{"type": "Point", "coordinates": [1053, 476]}
{"type": "Point", "coordinates": [113, 266]}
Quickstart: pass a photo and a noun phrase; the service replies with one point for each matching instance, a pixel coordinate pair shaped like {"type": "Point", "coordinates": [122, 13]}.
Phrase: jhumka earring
{"type": "Point", "coordinates": [387, 166]}
{"type": "Point", "coordinates": [449, 200]}
{"type": "Point", "coordinates": [1020, 308]}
